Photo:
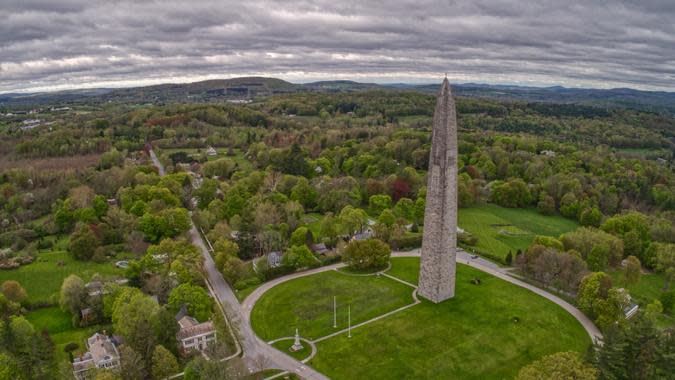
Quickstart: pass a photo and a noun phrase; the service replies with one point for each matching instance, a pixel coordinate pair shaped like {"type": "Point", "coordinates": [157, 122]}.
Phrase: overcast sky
{"type": "Point", "coordinates": [62, 44]}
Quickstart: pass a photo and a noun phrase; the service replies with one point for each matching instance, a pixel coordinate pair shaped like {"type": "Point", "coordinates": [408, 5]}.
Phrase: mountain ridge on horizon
{"type": "Point", "coordinates": [249, 87]}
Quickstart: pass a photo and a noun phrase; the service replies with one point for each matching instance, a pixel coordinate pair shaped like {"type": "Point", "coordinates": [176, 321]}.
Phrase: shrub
{"type": "Point", "coordinates": [667, 300]}
{"type": "Point", "coordinates": [371, 253]}
{"type": "Point", "coordinates": [407, 242]}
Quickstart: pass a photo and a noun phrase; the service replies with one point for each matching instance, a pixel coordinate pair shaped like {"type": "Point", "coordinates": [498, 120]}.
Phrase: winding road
{"type": "Point", "coordinates": [254, 348]}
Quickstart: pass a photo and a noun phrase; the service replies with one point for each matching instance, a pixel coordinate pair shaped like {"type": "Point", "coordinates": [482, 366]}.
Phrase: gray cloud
{"type": "Point", "coordinates": [91, 43]}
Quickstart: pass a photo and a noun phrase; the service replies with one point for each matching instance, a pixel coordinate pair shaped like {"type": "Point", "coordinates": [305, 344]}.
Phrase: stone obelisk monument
{"type": "Point", "coordinates": [439, 242]}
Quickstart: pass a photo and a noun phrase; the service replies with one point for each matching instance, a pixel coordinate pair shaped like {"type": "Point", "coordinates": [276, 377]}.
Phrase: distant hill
{"type": "Point", "coordinates": [245, 88]}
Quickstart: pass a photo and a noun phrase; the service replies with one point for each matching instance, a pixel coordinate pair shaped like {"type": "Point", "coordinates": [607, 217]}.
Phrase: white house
{"type": "Point", "coordinates": [192, 334]}
{"type": "Point", "coordinates": [101, 353]}
{"type": "Point", "coordinates": [211, 151]}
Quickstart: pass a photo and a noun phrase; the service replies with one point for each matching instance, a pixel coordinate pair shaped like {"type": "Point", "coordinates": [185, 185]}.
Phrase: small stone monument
{"type": "Point", "coordinates": [297, 346]}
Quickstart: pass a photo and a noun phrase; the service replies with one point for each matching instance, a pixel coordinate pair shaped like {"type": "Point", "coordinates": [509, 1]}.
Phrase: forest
{"type": "Point", "coordinates": [303, 174]}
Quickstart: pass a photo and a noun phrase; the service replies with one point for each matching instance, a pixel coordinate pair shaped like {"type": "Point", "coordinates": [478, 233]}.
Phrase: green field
{"type": "Point", "coordinates": [472, 336]}
{"type": "Point", "coordinates": [58, 324]}
{"type": "Point", "coordinates": [500, 230]}
{"type": "Point", "coordinates": [244, 164]}
{"type": "Point", "coordinates": [307, 303]}
{"type": "Point", "coordinates": [648, 289]}
{"type": "Point", "coordinates": [43, 277]}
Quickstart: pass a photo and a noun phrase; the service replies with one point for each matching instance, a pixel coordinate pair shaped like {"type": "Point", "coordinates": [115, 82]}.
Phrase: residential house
{"type": "Point", "coordinates": [101, 353]}
{"type": "Point", "coordinates": [320, 249]}
{"type": "Point", "coordinates": [211, 151]}
{"type": "Point", "coordinates": [193, 335]}
{"type": "Point", "coordinates": [274, 259]}
{"type": "Point", "coordinates": [366, 234]}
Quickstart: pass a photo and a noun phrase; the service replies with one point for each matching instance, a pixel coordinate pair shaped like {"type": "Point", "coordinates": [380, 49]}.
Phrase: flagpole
{"type": "Point", "coordinates": [349, 317]}
{"type": "Point", "coordinates": [334, 313]}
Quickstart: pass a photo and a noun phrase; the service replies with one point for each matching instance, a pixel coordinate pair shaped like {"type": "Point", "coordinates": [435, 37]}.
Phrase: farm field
{"type": "Point", "coordinates": [500, 230]}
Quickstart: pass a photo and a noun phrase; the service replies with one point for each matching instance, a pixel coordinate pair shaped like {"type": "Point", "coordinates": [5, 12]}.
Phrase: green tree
{"type": "Point", "coordinates": [598, 257]}
{"type": "Point", "coordinates": [304, 193]}
{"type": "Point", "coordinates": [546, 204]}
{"type": "Point", "coordinates": [405, 208]}
{"type": "Point", "coordinates": [9, 368]}
{"type": "Point", "coordinates": [73, 295]}
{"type": "Point", "coordinates": [222, 167]}
{"type": "Point", "coordinates": [595, 286]}
{"type": "Point", "coordinates": [632, 271]}
{"type": "Point", "coordinates": [549, 241]}
{"type": "Point", "coordinates": [164, 364]}
{"type": "Point", "coordinates": [366, 254]}
{"type": "Point", "coordinates": [83, 242]}
{"type": "Point", "coordinates": [132, 367]}
{"type": "Point", "coordinates": [513, 193]}
{"type": "Point", "coordinates": [353, 219]}
{"type": "Point", "coordinates": [226, 247]}
{"type": "Point", "coordinates": [379, 202]}
{"type": "Point", "coordinates": [665, 263]}
{"type": "Point", "coordinates": [100, 206]}
{"type": "Point", "coordinates": [198, 302]}
{"type": "Point", "coordinates": [14, 291]}
{"type": "Point", "coordinates": [562, 365]}
{"type": "Point", "coordinates": [636, 350]}
{"type": "Point", "coordinates": [134, 321]}
{"type": "Point", "coordinates": [301, 236]}
{"type": "Point", "coordinates": [633, 228]}
{"type": "Point", "coordinates": [591, 217]}
{"type": "Point", "coordinates": [299, 256]}
{"type": "Point", "coordinates": [166, 328]}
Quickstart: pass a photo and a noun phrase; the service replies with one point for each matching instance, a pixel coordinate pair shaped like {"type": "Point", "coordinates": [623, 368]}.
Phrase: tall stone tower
{"type": "Point", "coordinates": [439, 242]}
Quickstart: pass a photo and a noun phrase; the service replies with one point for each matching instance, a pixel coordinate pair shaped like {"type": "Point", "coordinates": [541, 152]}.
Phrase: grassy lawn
{"type": "Point", "coordinates": [648, 289]}
{"type": "Point", "coordinates": [645, 291]}
{"type": "Point", "coordinates": [42, 278]}
{"type": "Point", "coordinates": [238, 157]}
{"type": "Point", "coordinates": [61, 330]}
{"type": "Point", "coordinates": [500, 230]}
{"type": "Point", "coordinates": [405, 268]}
{"type": "Point", "coordinates": [307, 303]}
{"type": "Point", "coordinates": [472, 336]}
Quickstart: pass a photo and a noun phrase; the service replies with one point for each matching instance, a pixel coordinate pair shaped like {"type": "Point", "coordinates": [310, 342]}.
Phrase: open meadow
{"type": "Point", "coordinates": [500, 229]}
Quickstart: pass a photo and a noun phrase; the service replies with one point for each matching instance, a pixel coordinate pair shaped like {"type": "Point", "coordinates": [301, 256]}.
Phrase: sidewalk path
{"type": "Point", "coordinates": [491, 268]}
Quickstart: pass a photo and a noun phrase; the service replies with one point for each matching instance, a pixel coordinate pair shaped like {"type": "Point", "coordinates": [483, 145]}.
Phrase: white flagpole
{"type": "Point", "coordinates": [349, 317]}
{"type": "Point", "coordinates": [334, 313]}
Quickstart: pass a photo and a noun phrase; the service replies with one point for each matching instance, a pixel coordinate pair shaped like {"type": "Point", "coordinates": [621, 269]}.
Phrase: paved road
{"type": "Point", "coordinates": [253, 347]}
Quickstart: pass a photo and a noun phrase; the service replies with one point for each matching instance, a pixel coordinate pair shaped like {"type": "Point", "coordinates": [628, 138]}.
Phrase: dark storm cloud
{"type": "Point", "coordinates": [65, 44]}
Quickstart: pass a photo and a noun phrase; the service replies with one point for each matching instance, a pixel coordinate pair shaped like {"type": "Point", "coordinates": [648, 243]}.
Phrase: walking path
{"type": "Point", "coordinates": [495, 270]}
